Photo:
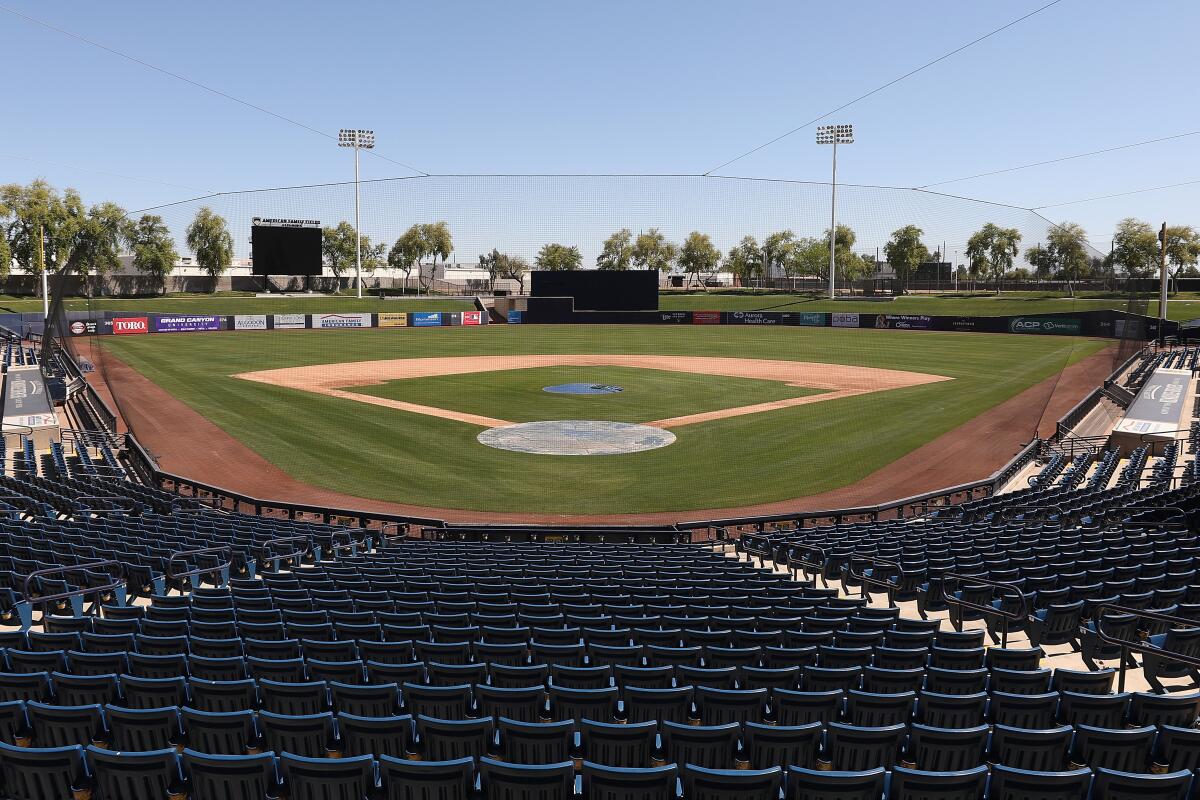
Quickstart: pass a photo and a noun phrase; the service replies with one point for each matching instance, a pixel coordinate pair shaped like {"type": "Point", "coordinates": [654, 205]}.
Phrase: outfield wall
{"type": "Point", "coordinates": [559, 311]}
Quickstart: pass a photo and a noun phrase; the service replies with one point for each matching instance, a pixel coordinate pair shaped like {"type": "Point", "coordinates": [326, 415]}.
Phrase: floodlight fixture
{"type": "Point", "coordinates": [359, 139]}
{"type": "Point", "coordinates": [834, 135]}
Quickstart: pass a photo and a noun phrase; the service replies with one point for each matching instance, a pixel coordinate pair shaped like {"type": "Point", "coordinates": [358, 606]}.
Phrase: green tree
{"type": "Point", "coordinates": [98, 238]}
{"type": "Point", "coordinates": [806, 256]}
{"type": "Point", "coordinates": [5, 256]}
{"type": "Point", "coordinates": [514, 268]}
{"type": "Point", "coordinates": [337, 248]}
{"type": "Point", "coordinates": [408, 251]}
{"type": "Point", "coordinates": [208, 237]}
{"type": "Point", "coordinates": [992, 249]}
{"type": "Point", "coordinates": [698, 255]}
{"type": "Point", "coordinates": [651, 250]}
{"type": "Point", "coordinates": [42, 229]}
{"type": "Point", "coordinates": [1183, 249]}
{"type": "Point", "coordinates": [850, 265]}
{"type": "Point", "coordinates": [1067, 244]}
{"type": "Point", "coordinates": [617, 251]}
{"type": "Point", "coordinates": [1135, 249]}
{"type": "Point", "coordinates": [1042, 261]}
{"type": "Point", "coordinates": [906, 252]}
{"type": "Point", "coordinates": [153, 249]}
{"type": "Point", "coordinates": [745, 260]}
{"type": "Point", "coordinates": [779, 250]}
{"type": "Point", "coordinates": [559, 257]}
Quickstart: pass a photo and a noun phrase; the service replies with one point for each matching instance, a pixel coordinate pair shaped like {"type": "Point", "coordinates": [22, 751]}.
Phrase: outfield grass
{"type": "Point", "coordinates": [647, 394]}
{"type": "Point", "coordinates": [376, 452]}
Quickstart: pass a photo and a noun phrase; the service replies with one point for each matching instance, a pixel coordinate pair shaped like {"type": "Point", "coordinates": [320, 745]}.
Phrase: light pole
{"type": "Point", "coordinates": [834, 135]}
{"type": "Point", "coordinates": [359, 140]}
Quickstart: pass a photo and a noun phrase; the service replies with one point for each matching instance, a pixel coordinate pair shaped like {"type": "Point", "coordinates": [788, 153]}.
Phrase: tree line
{"type": "Point", "coordinates": [41, 228]}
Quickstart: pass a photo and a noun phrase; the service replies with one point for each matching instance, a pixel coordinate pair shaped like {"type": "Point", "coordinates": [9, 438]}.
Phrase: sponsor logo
{"type": "Point", "coordinates": [393, 320]}
{"type": "Point", "coordinates": [128, 326]}
{"type": "Point", "coordinates": [755, 318]}
{"type": "Point", "coordinates": [472, 318]}
{"type": "Point", "coordinates": [285, 321]}
{"type": "Point", "coordinates": [250, 322]}
{"type": "Point", "coordinates": [844, 320]}
{"type": "Point", "coordinates": [903, 322]}
{"type": "Point", "coordinates": [516, 317]}
{"type": "Point", "coordinates": [812, 319]}
{"type": "Point", "coordinates": [341, 320]}
{"type": "Point", "coordinates": [426, 319]}
{"type": "Point", "coordinates": [1046, 325]}
{"type": "Point", "coordinates": [706, 317]}
{"type": "Point", "coordinates": [963, 323]}
{"type": "Point", "coordinates": [81, 328]}
{"type": "Point", "coordinates": [186, 324]}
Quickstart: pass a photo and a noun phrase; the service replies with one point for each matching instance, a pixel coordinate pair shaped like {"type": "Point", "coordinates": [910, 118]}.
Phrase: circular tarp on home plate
{"type": "Point", "coordinates": [576, 437]}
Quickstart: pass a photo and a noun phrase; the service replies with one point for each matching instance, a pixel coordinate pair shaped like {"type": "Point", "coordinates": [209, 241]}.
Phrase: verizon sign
{"type": "Point", "coordinates": [127, 326]}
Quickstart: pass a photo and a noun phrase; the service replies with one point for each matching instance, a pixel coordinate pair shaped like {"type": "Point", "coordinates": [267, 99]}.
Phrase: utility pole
{"type": "Point", "coordinates": [1162, 282]}
{"type": "Point", "coordinates": [45, 277]}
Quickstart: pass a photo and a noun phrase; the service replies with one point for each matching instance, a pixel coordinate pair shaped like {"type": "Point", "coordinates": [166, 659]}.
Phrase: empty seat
{"type": "Point", "coordinates": [450, 739]}
{"type": "Point", "coordinates": [577, 704]}
{"type": "Point", "coordinates": [602, 782]}
{"type": "Point", "coordinates": [911, 784]}
{"type": "Point", "coordinates": [143, 729]}
{"type": "Point", "coordinates": [809, 784]}
{"type": "Point", "coordinates": [220, 733]}
{"type": "Point", "coordinates": [700, 783]}
{"type": "Point", "coordinates": [310, 735]}
{"type": "Point", "coordinates": [325, 778]}
{"type": "Point", "coordinates": [771, 745]}
{"type": "Point", "coordinates": [525, 704]}
{"type": "Point", "coordinates": [421, 780]}
{"type": "Point", "coordinates": [853, 748]}
{"type": "Point", "coordinates": [501, 781]}
{"type": "Point", "coordinates": [439, 702]}
{"type": "Point", "coordinates": [376, 736]}
{"type": "Point", "coordinates": [615, 745]}
{"type": "Point", "coordinates": [134, 776]}
{"type": "Point", "coordinates": [41, 773]}
{"type": "Point", "coordinates": [1009, 782]}
{"type": "Point", "coordinates": [1025, 749]}
{"type": "Point", "coordinates": [1120, 750]}
{"type": "Point", "coordinates": [1116, 785]}
{"type": "Point", "coordinates": [536, 742]}
{"type": "Point", "coordinates": [229, 776]}
{"type": "Point", "coordinates": [710, 746]}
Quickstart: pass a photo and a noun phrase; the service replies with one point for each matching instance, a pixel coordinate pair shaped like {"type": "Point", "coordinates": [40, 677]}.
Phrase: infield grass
{"type": "Point", "coordinates": [383, 453]}
{"type": "Point", "coordinates": [646, 395]}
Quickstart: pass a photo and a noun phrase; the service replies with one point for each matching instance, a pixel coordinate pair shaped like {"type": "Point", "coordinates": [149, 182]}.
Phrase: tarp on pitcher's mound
{"type": "Point", "coordinates": [576, 437]}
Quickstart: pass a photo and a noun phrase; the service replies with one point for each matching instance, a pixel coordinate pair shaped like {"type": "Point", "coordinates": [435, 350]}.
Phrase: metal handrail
{"type": "Point", "coordinates": [131, 508]}
{"type": "Point", "coordinates": [811, 567]}
{"type": "Point", "coordinates": [1137, 646]}
{"type": "Point", "coordinates": [296, 554]}
{"type": "Point", "coordinates": [224, 548]}
{"type": "Point", "coordinates": [1005, 616]}
{"type": "Point", "coordinates": [1004, 511]}
{"type": "Point", "coordinates": [37, 573]}
{"type": "Point", "coordinates": [864, 579]}
{"type": "Point", "coordinates": [1182, 515]}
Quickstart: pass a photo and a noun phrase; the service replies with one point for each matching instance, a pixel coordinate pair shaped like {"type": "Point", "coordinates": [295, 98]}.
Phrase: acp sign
{"type": "Point", "coordinates": [130, 326]}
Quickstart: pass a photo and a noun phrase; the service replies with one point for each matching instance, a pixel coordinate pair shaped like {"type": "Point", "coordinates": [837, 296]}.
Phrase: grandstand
{"type": "Point", "coordinates": [1039, 639]}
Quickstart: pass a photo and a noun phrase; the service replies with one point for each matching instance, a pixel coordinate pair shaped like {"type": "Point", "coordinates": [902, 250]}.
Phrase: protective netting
{"type": "Point", "coordinates": [876, 415]}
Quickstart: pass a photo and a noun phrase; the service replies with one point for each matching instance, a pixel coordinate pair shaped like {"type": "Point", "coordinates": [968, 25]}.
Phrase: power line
{"type": "Point", "coordinates": [892, 82]}
{"type": "Point", "coordinates": [1062, 158]}
{"type": "Point", "coordinates": [1118, 194]}
{"type": "Point", "coordinates": [191, 82]}
{"type": "Point", "coordinates": [102, 172]}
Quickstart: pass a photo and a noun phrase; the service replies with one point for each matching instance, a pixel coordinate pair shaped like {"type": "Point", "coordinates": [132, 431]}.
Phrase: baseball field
{"type": "Point", "coordinates": [759, 415]}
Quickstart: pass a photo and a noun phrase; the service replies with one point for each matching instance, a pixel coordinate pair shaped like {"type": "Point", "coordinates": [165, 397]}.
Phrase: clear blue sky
{"type": "Point", "coordinates": [671, 87]}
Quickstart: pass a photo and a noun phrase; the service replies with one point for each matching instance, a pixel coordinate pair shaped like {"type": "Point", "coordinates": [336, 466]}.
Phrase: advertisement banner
{"type": "Point", "coordinates": [675, 317]}
{"type": "Point", "coordinates": [812, 319]}
{"type": "Point", "coordinates": [516, 317]}
{"type": "Point", "coordinates": [82, 328]}
{"type": "Point", "coordinates": [426, 319]}
{"type": "Point", "coordinates": [393, 320]}
{"type": "Point", "coordinates": [1056, 326]}
{"type": "Point", "coordinates": [129, 326]}
{"type": "Point", "coordinates": [903, 322]}
{"type": "Point", "coordinates": [844, 320]}
{"type": "Point", "coordinates": [186, 323]}
{"type": "Point", "coordinates": [963, 324]}
{"type": "Point", "coordinates": [754, 318]}
{"type": "Point", "coordinates": [341, 320]}
{"type": "Point", "coordinates": [706, 317]}
{"type": "Point", "coordinates": [472, 318]}
{"type": "Point", "coordinates": [250, 322]}
{"type": "Point", "coordinates": [286, 321]}
{"type": "Point", "coordinates": [452, 318]}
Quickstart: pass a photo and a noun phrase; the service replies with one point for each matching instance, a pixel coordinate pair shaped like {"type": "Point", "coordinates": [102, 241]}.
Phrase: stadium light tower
{"type": "Point", "coordinates": [359, 140]}
{"type": "Point", "coordinates": [834, 135]}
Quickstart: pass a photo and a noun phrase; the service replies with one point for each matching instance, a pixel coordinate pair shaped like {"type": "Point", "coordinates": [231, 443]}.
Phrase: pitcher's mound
{"type": "Point", "coordinates": [576, 437]}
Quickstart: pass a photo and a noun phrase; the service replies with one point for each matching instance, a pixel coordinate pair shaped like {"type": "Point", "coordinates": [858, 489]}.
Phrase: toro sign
{"type": "Point", "coordinates": [126, 326]}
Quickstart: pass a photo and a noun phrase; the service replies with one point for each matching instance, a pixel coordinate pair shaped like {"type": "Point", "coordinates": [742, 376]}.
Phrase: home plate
{"type": "Point", "coordinates": [576, 437]}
